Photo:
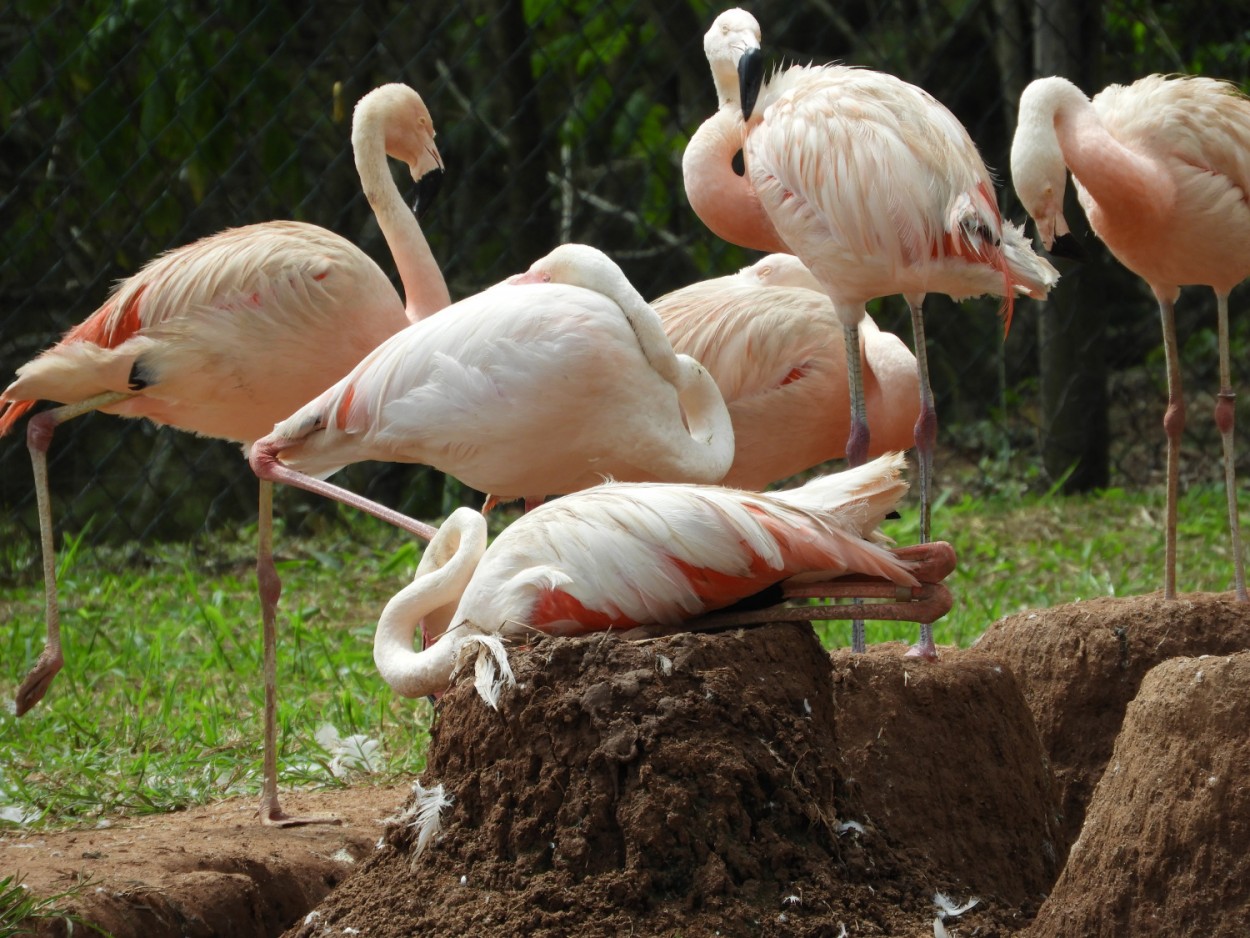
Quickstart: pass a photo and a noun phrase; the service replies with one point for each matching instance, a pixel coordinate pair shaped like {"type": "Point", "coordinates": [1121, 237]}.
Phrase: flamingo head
{"type": "Point", "coordinates": [578, 265]}
{"type": "Point", "coordinates": [732, 47]}
{"type": "Point", "coordinates": [408, 132]}
{"type": "Point", "coordinates": [1042, 198]}
{"type": "Point", "coordinates": [782, 270]}
{"type": "Point", "coordinates": [1038, 170]}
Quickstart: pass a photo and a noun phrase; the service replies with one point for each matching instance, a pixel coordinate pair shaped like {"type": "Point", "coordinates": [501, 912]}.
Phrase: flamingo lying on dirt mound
{"type": "Point", "coordinates": [872, 183]}
{"type": "Point", "coordinates": [769, 336]}
{"type": "Point", "coordinates": [622, 555]}
{"type": "Point", "coordinates": [1162, 168]}
{"type": "Point", "coordinates": [225, 336]}
{"type": "Point", "coordinates": [547, 383]}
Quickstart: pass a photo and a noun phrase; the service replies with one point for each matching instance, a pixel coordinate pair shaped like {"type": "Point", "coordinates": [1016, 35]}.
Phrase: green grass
{"type": "Point", "coordinates": [159, 704]}
{"type": "Point", "coordinates": [20, 911]}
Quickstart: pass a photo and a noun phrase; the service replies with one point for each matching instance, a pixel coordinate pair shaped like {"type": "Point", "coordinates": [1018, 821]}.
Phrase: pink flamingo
{"type": "Point", "coordinates": [621, 555]}
{"type": "Point", "coordinates": [547, 383]}
{"type": "Point", "coordinates": [1161, 168]}
{"type": "Point", "coordinates": [872, 183]}
{"type": "Point", "coordinates": [769, 336]}
{"type": "Point", "coordinates": [225, 336]}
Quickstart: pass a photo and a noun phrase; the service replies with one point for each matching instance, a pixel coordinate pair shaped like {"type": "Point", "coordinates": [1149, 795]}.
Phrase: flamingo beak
{"type": "Point", "coordinates": [427, 190]}
{"type": "Point", "coordinates": [750, 79]}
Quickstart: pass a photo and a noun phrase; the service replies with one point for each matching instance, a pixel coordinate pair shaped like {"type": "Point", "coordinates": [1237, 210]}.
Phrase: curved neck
{"type": "Point", "coordinates": [425, 291]}
{"type": "Point", "coordinates": [723, 200]}
{"type": "Point", "coordinates": [647, 326]}
{"type": "Point", "coordinates": [1109, 171]}
{"type": "Point", "coordinates": [441, 577]}
{"type": "Point", "coordinates": [707, 417]}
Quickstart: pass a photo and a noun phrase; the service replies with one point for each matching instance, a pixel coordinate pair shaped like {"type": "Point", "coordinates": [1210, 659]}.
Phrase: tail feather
{"type": "Point", "coordinates": [845, 510]}
{"type": "Point", "coordinates": [878, 484]}
{"type": "Point", "coordinates": [11, 412]}
{"type": "Point", "coordinates": [492, 672]}
{"type": "Point", "coordinates": [1031, 273]}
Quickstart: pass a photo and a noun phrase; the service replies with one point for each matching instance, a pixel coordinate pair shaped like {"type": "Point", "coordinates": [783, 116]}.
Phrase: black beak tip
{"type": "Point", "coordinates": [750, 79]}
{"type": "Point", "coordinates": [1068, 247]}
{"type": "Point", "coordinates": [427, 191]}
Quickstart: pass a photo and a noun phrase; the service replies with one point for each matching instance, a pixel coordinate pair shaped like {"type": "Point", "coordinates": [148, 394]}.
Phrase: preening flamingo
{"type": "Point", "coordinates": [769, 336]}
{"type": "Point", "coordinates": [621, 554]}
{"type": "Point", "coordinates": [547, 383]}
{"type": "Point", "coordinates": [1161, 168]}
{"type": "Point", "coordinates": [872, 183]}
{"type": "Point", "coordinates": [227, 335]}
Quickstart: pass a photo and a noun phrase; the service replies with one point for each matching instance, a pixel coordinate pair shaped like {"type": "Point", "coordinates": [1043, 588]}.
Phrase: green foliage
{"type": "Point", "coordinates": [20, 911]}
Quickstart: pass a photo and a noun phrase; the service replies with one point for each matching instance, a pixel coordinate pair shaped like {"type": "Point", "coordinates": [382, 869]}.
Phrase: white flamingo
{"type": "Point", "coordinates": [547, 383]}
{"type": "Point", "coordinates": [621, 555]}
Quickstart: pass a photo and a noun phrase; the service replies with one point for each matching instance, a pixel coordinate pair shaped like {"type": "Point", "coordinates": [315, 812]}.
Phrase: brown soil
{"type": "Point", "coordinates": [746, 783]}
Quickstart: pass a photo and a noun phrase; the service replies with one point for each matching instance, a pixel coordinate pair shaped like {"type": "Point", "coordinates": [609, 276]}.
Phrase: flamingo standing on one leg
{"type": "Point", "coordinates": [621, 555]}
{"type": "Point", "coordinates": [546, 383]}
{"type": "Point", "coordinates": [1162, 168]}
{"type": "Point", "coordinates": [768, 335]}
{"type": "Point", "coordinates": [872, 183]}
{"type": "Point", "coordinates": [225, 336]}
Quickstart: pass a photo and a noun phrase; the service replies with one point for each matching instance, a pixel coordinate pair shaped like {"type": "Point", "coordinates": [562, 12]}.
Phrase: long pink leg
{"type": "Point", "coordinates": [39, 433]}
{"type": "Point", "coordinates": [1225, 413]}
{"type": "Point", "coordinates": [926, 441]}
{"type": "Point", "coordinates": [265, 464]}
{"type": "Point", "coordinates": [1173, 425]}
{"type": "Point", "coordinates": [857, 442]}
{"type": "Point", "coordinates": [269, 588]}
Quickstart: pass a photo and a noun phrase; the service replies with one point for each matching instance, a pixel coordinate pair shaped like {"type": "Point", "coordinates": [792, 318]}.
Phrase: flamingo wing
{"type": "Point", "coordinates": [224, 335]}
{"type": "Point", "coordinates": [753, 339]}
{"type": "Point", "coordinates": [623, 554]}
{"type": "Point", "coordinates": [890, 193]}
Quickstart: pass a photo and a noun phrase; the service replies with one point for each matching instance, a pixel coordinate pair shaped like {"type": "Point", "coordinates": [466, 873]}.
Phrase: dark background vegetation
{"type": "Point", "coordinates": [132, 127]}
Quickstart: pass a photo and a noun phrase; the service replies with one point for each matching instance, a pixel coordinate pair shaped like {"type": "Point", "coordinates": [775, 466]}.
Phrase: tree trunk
{"type": "Point", "coordinates": [1071, 329]}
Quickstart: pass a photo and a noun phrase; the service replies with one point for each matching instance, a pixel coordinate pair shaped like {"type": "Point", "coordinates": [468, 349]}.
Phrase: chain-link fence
{"type": "Point", "coordinates": [133, 126]}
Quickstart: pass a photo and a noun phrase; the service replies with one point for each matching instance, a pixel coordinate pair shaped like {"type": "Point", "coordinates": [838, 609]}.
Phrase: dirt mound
{"type": "Point", "coordinates": [1080, 664]}
{"type": "Point", "coordinates": [746, 783]}
{"type": "Point", "coordinates": [718, 784]}
{"type": "Point", "coordinates": [1166, 844]}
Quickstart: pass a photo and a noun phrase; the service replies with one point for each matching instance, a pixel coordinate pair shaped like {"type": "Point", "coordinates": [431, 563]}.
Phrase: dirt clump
{"type": "Point", "coordinates": [1080, 664]}
{"type": "Point", "coordinates": [1165, 849]}
{"type": "Point", "coordinates": [731, 784]}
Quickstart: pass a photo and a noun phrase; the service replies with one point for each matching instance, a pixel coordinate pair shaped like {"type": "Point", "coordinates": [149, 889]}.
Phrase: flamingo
{"type": "Point", "coordinates": [625, 554]}
{"type": "Point", "coordinates": [1161, 168]}
{"type": "Point", "coordinates": [546, 383]}
{"type": "Point", "coordinates": [768, 335]}
{"type": "Point", "coordinates": [872, 183]}
{"type": "Point", "coordinates": [224, 336]}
